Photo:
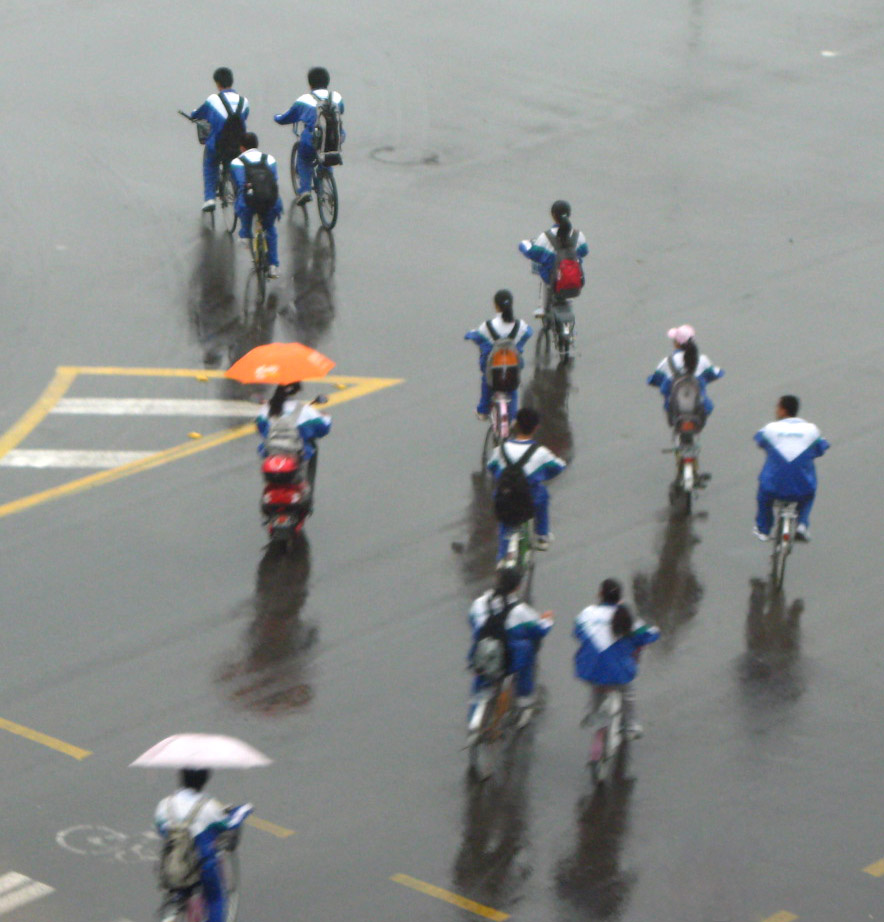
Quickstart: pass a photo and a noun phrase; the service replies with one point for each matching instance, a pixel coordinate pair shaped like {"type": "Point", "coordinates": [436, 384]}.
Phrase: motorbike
{"type": "Point", "coordinates": [287, 498]}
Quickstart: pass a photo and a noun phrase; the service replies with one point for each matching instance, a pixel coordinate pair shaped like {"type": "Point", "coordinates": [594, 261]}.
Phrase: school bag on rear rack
{"type": "Point", "coordinates": [327, 131]}
{"type": "Point", "coordinates": [686, 408]}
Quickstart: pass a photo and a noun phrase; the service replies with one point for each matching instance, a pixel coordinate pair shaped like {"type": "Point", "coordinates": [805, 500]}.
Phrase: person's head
{"type": "Point", "coordinates": [508, 580]}
{"type": "Point", "coordinates": [318, 78]}
{"type": "Point", "coordinates": [621, 621]}
{"type": "Point", "coordinates": [279, 397]}
{"type": "Point", "coordinates": [690, 356]}
{"type": "Point", "coordinates": [610, 591]}
{"type": "Point", "coordinates": [248, 141]}
{"type": "Point", "coordinates": [527, 421]}
{"type": "Point", "coordinates": [503, 301]}
{"type": "Point", "coordinates": [194, 778]}
{"type": "Point", "coordinates": [561, 214]}
{"type": "Point", "coordinates": [223, 78]}
{"type": "Point", "coordinates": [787, 406]}
{"type": "Point", "coordinates": [681, 335]}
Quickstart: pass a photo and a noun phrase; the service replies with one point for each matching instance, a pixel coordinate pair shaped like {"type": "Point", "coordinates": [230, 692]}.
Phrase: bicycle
{"type": "Point", "coordinates": [190, 905]}
{"type": "Point", "coordinates": [557, 322]}
{"type": "Point", "coordinates": [688, 480]}
{"type": "Point", "coordinates": [490, 722]}
{"type": "Point", "coordinates": [225, 190]}
{"type": "Point", "coordinates": [498, 425]}
{"type": "Point", "coordinates": [785, 522]}
{"type": "Point", "coordinates": [605, 723]}
{"type": "Point", "coordinates": [324, 187]}
{"type": "Point", "coordinates": [520, 553]}
{"type": "Point", "coordinates": [259, 256]}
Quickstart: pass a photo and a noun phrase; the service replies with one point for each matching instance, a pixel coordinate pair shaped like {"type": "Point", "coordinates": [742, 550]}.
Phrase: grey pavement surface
{"type": "Point", "coordinates": [724, 161]}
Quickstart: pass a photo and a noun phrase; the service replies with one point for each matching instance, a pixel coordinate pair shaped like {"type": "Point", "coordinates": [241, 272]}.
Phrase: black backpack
{"type": "Point", "coordinates": [261, 189]}
{"type": "Point", "coordinates": [513, 503]}
{"type": "Point", "coordinates": [687, 410]}
{"type": "Point", "coordinates": [230, 135]}
{"type": "Point", "coordinates": [327, 132]}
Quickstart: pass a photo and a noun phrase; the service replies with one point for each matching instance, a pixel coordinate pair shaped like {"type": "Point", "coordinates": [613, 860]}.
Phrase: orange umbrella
{"type": "Point", "coordinates": [280, 363]}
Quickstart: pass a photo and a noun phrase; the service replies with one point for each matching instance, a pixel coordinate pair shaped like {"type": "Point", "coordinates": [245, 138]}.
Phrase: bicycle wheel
{"type": "Point", "coordinates": [228, 864]}
{"type": "Point", "coordinates": [778, 558]}
{"type": "Point", "coordinates": [542, 343]}
{"type": "Point", "coordinates": [294, 167]}
{"type": "Point", "coordinates": [526, 556]}
{"type": "Point", "coordinates": [488, 446]}
{"type": "Point", "coordinates": [493, 734]}
{"type": "Point", "coordinates": [227, 198]}
{"type": "Point", "coordinates": [326, 196]}
{"type": "Point", "coordinates": [259, 259]}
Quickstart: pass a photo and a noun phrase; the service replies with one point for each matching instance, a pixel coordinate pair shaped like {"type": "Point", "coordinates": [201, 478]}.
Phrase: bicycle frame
{"type": "Point", "coordinates": [487, 726]}
{"type": "Point", "coordinates": [499, 425]}
{"type": "Point", "coordinates": [785, 522]}
{"type": "Point", "coordinates": [605, 722]}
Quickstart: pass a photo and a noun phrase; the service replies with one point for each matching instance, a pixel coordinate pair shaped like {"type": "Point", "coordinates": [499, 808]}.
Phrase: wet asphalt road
{"type": "Point", "coordinates": [727, 173]}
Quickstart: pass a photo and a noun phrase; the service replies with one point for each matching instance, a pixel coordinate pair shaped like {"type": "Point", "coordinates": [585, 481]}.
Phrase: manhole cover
{"type": "Point", "coordinates": [404, 156]}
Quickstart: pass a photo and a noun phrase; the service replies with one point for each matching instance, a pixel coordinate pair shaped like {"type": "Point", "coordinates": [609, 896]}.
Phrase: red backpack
{"type": "Point", "coordinates": [568, 278]}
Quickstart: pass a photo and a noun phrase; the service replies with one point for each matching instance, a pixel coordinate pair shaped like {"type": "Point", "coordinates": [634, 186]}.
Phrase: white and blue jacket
{"type": "Point", "coordinates": [706, 373]}
{"type": "Point", "coordinates": [525, 628]}
{"type": "Point", "coordinates": [312, 424]}
{"type": "Point", "coordinates": [213, 111]}
{"type": "Point", "coordinates": [302, 115]}
{"type": "Point", "coordinates": [541, 466]}
{"type": "Point", "coordinates": [238, 169]}
{"type": "Point", "coordinates": [601, 658]}
{"type": "Point", "coordinates": [791, 445]}
{"type": "Point", "coordinates": [210, 819]}
{"type": "Point", "coordinates": [542, 251]}
{"type": "Point", "coordinates": [519, 331]}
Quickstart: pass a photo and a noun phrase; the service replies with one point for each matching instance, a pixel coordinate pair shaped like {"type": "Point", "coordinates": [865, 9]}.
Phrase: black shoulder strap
{"type": "Point", "coordinates": [263, 160]}
{"type": "Point", "coordinates": [240, 106]}
{"type": "Point", "coordinates": [526, 456]}
{"type": "Point", "coordinates": [671, 362]}
{"type": "Point", "coordinates": [494, 334]}
{"type": "Point", "coordinates": [226, 104]}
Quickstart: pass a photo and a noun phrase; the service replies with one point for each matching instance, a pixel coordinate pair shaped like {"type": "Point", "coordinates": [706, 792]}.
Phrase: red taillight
{"type": "Point", "coordinates": [687, 425]}
{"type": "Point", "coordinates": [688, 460]}
{"type": "Point", "coordinates": [786, 536]}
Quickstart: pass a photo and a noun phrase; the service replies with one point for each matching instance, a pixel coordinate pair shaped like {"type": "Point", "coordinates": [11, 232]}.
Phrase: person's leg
{"type": "Point", "coordinates": [210, 174]}
{"type": "Point", "coordinates": [213, 892]}
{"type": "Point", "coordinates": [764, 514]}
{"type": "Point", "coordinates": [272, 235]}
{"type": "Point", "coordinates": [540, 495]}
{"type": "Point", "coordinates": [503, 534]}
{"type": "Point", "coordinates": [304, 166]}
{"type": "Point", "coordinates": [245, 223]}
{"type": "Point", "coordinates": [513, 405]}
{"type": "Point", "coordinates": [805, 503]}
{"type": "Point", "coordinates": [484, 406]}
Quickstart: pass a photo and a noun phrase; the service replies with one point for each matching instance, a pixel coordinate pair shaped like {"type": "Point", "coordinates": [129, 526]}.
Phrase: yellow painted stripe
{"type": "Point", "coordinates": [476, 908]}
{"type": "Point", "coordinates": [781, 916]}
{"type": "Point", "coordinates": [876, 869]}
{"type": "Point", "coordinates": [266, 826]}
{"type": "Point", "coordinates": [55, 390]}
{"type": "Point", "coordinates": [36, 737]}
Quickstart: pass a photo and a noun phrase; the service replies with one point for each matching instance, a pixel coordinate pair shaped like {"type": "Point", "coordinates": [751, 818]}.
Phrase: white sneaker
{"type": "Point", "coordinates": [633, 730]}
{"type": "Point", "coordinates": [245, 241]}
{"type": "Point", "coordinates": [525, 715]}
{"type": "Point", "coordinates": [760, 534]}
{"type": "Point", "coordinates": [302, 198]}
{"type": "Point", "coordinates": [540, 313]}
{"type": "Point", "coordinates": [273, 272]}
{"type": "Point", "coordinates": [209, 204]}
{"type": "Point", "coordinates": [802, 533]}
{"type": "Point", "coordinates": [542, 542]}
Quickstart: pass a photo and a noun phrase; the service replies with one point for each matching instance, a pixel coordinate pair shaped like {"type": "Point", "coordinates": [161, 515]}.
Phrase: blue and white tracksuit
{"type": "Point", "coordinates": [525, 630]}
{"type": "Point", "coordinates": [605, 660]}
{"type": "Point", "coordinates": [543, 465]}
{"type": "Point", "coordinates": [520, 332]}
{"type": "Point", "coordinates": [269, 219]}
{"type": "Point", "coordinates": [210, 819]}
{"type": "Point", "coordinates": [302, 116]}
{"type": "Point", "coordinates": [312, 424]}
{"type": "Point", "coordinates": [789, 472]}
{"type": "Point", "coordinates": [706, 373]}
{"type": "Point", "coordinates": [542, 251]}
{"type": "Point", "coordinates": [213, 111]}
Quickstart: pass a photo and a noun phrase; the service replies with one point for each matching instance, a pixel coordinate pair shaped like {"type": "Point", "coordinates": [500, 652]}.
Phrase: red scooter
{"type": "Point", "coordinates": [287, 498]}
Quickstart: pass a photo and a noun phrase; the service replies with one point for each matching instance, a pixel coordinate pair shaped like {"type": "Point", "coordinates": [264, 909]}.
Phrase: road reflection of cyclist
{"type": "Point", "coordinates": [212, 307]}
{"type": "Point", "coordinates": [590, 878]}
{"type": "Point", "coordinates": [312, 277]}
{"type": "Point", "coordinates": [271, 674]}
{"type": "Point", "coordinates": [477, 559]}
{"type": "Point", "coordinates": [548, 394]}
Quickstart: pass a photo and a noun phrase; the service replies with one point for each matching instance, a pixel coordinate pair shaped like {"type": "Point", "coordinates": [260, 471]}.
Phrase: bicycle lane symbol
{"type": "Point", "coordinates": [110, 844]}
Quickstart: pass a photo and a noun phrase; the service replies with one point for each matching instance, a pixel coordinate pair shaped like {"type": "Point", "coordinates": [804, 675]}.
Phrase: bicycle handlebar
{"type": "Point", "coordinates": [185, 115]}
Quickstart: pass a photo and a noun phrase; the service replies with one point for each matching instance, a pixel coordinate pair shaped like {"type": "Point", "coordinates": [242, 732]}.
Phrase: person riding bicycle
{"type": "Point", "coordinates": [302, 115]}
{"type": "Point", "coordinates": [610, 639]}
{"type": "Point", "coordinates": [544, 251]}
{"type": "Point", "coordinates": [216, 110]}
{"type": "Point", "coordinates": [685, 359]}
{"type": "Point", "coordinates": [523, 633]}
{"type": "Point", "coordinates": [257, 192]}
{"type": "Point", "coordinates": [498, 329]}
{"type": "Point", "coordinates": [309, 422]}
{"type": "Point", "coordinates": [789, 473]}
{"type": "Point", "coordinates": [206, 818]}
{"type": "Point", "coordinates": [538, 464]}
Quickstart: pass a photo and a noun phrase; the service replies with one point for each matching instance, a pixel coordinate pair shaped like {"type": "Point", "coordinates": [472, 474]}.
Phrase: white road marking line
{"type": "Point", "coordinates": [38, 457]}
{"type": "Point", "coordinates": [152, 406]}
{"type": "Point", "coordinates": [18, 890]}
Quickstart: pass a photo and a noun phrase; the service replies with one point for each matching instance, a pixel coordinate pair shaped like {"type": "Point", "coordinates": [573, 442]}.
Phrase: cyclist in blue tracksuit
{"type": "Point", "coordinates": [525, 630]}
{"type": "Point", "coordinates": [214, 112]}
{"type": "Point", "coordinates": [302, 115]}
{"type": "Point", "coordinates": [789, 473]}
{"type": "Point", "coordinates": [250, 154]}
{"type": "Point", "coordinates": [207, 818]}
{"type": "Point", "coordinates": [486, 334]}
{"type": "Point", "coordinates": [686, 358]}
{"type": "Point", "coordinates": [610, 639]}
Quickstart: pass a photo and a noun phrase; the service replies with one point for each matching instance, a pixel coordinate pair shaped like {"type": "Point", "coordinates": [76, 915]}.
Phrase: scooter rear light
{"type": "Point", "coordinates": [687, 426]}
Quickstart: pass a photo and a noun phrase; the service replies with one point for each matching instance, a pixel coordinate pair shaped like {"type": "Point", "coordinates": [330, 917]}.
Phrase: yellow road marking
{"type": "Point", "coordinates": [55, 390]}
{"type": "Point", "coordinates": [266, 826]}
{"type": "Point", "coordinates": [36, 737]}
{"type": "Point", "coordinates": [353, 387]}
{"type": "Point", "coordinates": [455, 900]}
{"type": "Point", "coordinates": [876, 869]}
{"type": "Point", "coordinates": [781, 916]}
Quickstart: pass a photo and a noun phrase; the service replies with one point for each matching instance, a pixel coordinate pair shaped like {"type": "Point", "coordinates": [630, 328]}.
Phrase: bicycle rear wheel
{"type": "Point", "coordinates": [228, 865]}
{"type": "Point", "coordinates": [488, 446]}
{"type": "Point", "coordinates": [293, 166]}
{"type": "Point", "coordinates": [259, 258]}
{"type": "Point", "coordinates": [493, 734]}
{"type": "Point", "coordinates": [542, 343]}
{"type": "Point", "coordinates": [227, 197]}
{"type": "Point", "coordinates": [326, 196]}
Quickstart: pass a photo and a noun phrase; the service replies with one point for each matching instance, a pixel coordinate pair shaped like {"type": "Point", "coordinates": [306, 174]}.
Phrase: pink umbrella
{"type": "Point", "coordinates": [201, 750]}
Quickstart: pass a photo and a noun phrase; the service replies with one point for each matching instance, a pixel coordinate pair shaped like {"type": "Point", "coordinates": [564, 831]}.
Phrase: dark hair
{"type": "Point", "coordinates": [508, 580]}
{"type": "Point", "coordinates": [248, 140]}
{"type": "Point", "coordinates": [223, 76]}
{"type": "Point", "coordinates": [610, 591]}
{"type": "Point", "coordinates": [318, 78]}
{"type": "Point", "coordinates": [560, 209]}
{"type": "Point", "coordinates": [194, 778]}
{"type": "Point", "coordinates": [790, 404]}
{"type": "Point", "coordinates": [691, 356]}
{"type": "Point", "coordinates": [504, 300]}
{"type": "Point", "coordinates": [621, 621]}
{"type": "Point", "coordinates": [527, 419]}
{"type": "Point", "coordinates": [279, 397]}
{"type": "Point", "coordinates": [563, 234]}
